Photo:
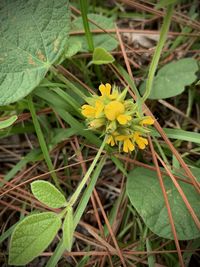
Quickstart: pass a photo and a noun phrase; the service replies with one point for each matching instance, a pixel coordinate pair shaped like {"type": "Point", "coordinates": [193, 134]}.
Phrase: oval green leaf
{"type": "Point", "coordinates": [172, 79]}
{"type": "Point", "coordinates": [33, 36]}
{"type": "Point", "coordinates": [48, 194]}
{"type": "Point", "coordinates": [146, 196]}
{"type": "Point", "coordinates": [32, 236]}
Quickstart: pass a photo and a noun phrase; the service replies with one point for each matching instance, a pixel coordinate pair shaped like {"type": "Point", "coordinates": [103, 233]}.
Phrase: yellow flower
{"type": "Point", "coordinates": [123, 119]}
{"type": "Point", "coordinates": [111, 140]}
{"type": "Point", "coordinates": [147, 120]}
{"type": "Point", "coordinates": [93, 112]}
{"type": "Point", "coordinates": [120, 119]}
{"type": "Point", "coordinates": [106, 91]}
{"type": "Point", "coordinates": [99, 106]}
{"type": "Point", "coordinates": [114, 111]}
{"type": "Point", "coordinates": [127, 142]}
{"type": "Point", "coordinates": [88, 111]}
{"type": "Point", "coordinates": [140, 141]}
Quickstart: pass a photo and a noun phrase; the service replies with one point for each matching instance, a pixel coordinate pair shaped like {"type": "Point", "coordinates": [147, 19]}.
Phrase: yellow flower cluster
{"type": "Point", "coordinates": [111, 114]}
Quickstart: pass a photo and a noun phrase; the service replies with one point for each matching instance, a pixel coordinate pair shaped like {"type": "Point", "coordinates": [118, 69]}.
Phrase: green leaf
{"type": "Point", "coordinates": [151, 258]}
{"type": "Point", "coordinates": [33, 36]}
{"type": "Point", "coordinates": [68, 229]}
{"type": "Point", "coordinates": [72, 48]}
{"type": "Point", "coordinates": [196, 172]}
{"type": "Point", "coordinates": [172, 79]}
{"type": "Point", "coordinates": [32, 236]}
{"type": "Point", "coordinates": [101, 56]}
{"type": "Point", "coordinates": [104, 40]}
{"type": "Point", "coordinates": [48, 194]}
{"type": "Point", "coordinates": [8, 122]}
{"type": "Point", "coordinates": [164, 3]}
{"type": "Point", "coordinates": [198, 83]}
{"type": "Point", "coordinates": [179, 134]}
{"type": "Point", "coordinates": [146, 196]}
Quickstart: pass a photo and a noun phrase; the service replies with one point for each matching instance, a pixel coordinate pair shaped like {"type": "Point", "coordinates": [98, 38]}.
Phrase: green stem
{"type": "Point", "coordinates": [157, 54]}
{"type": "Point", "coordinates": [83, 5]}
{"type": "Point", "coordinates": [42, 141]}
{"type": "Point", "coordinates": [87, 175]}
{"type": "Point", "coordinates": [52, 262]}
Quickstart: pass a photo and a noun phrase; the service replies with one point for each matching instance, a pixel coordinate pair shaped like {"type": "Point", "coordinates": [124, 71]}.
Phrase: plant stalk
{"type": "Point", "coordinates": [88, 34]}
{"type": "Point", "coordinates": [157, 54]}
{"type": "Point", "coordinates": [87, 175]}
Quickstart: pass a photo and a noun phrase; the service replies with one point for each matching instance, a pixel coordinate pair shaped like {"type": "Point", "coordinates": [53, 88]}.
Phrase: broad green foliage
{"type": "Point", "coordinates": [68, 229]}
{"type": "Point", "coordinates": [8, 122]}
{"type": "Point", "coordinates": [32, 236]}
{"type": "Point", "coordinates": [101, 56]}
{"type": "Point", "coordinates": [196, 173]}
{"type": "Point", "coordinates": [105, 41]}
{"type": "Point", "coordinates": [73, 47]}
{"type": "Point", "coordinates": [145, 194]}
{"type": "Point", "coordinates": [172, 79]}
{"type": "Point", "coordinates": [48, 194]}
{"type": "Point", "coordinates": [33, 36]}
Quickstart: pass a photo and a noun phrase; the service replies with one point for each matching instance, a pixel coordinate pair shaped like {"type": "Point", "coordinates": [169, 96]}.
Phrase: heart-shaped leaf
{"type": "Point", "coordinates": [101, 56]}
{"type": "Point", "coordinates": [172, 79]}
{"type": "Point", "coordinates": [146, 196]}
{"type": "Point", "coordinates": [32, 236]}
{"type": "Point", "coordinates": [48, 194]}
{"type": "Point", "coordinates": [33, 36]}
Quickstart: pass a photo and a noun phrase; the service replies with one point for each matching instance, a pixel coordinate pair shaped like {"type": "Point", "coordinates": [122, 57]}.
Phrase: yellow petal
{"type": "Point", "coordinates": [128, 146]}
{"type": "Point", "coordinates": [123, 119]}
{"type": "Point", "coordinates": [99, 106]}
{"type": "Point", "coordinates": [108, 88]}
{"type": "Point", "coordinates": [142, 142]}
{"type": "Point", "coordinates": [105, 89]}
{"type": "Point", "coordinates": [113, 110]}
{"type": "Point", "coordinates": [147, 120]}
{"type": "Point", "coordinates": [136, 135]}
{"type": "Point", "coordinates": [88, 111]}
{"type": "Point", "coordinates": [111, 140]}
{"type": "Point", "coordinates": [125, 147]}
{"type": "Point", "coordinates": [120, 138]}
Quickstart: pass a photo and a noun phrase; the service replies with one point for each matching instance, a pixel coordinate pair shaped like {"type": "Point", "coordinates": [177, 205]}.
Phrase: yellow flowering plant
{"type": "Point", "coordinates": [113, 115]}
